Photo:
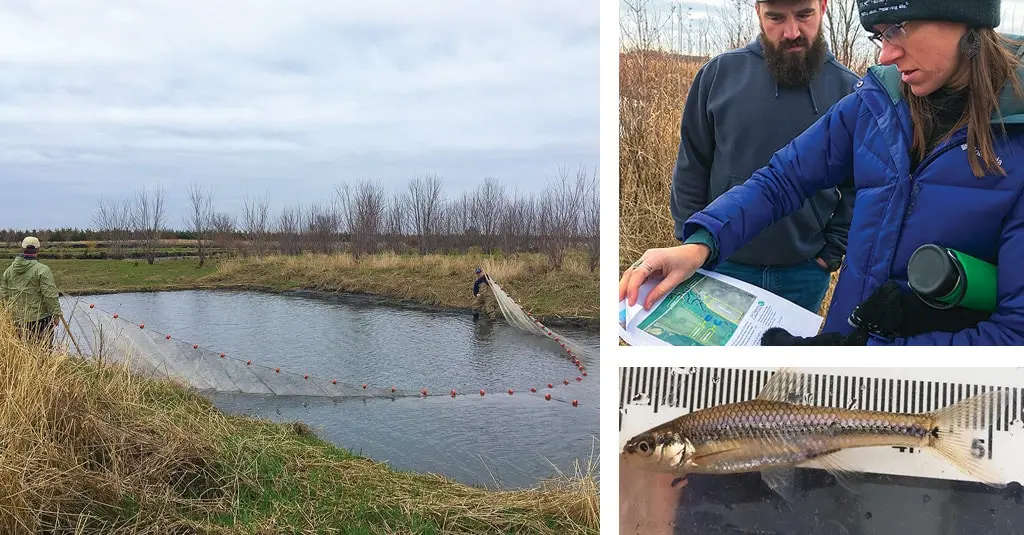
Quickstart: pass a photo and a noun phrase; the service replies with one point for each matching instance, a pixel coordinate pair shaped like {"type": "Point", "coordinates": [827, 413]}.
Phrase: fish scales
{"type": "Point", "coordinates": [739, 436]}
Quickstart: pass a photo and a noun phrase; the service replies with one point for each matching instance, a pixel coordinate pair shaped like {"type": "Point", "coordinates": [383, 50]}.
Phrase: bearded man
{"type": "Point", "coordinates": [743, 106]}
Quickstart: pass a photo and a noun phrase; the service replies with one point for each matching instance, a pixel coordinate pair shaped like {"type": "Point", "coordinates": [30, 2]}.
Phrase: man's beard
{"type": "Point", "coordinates": [794, 69]}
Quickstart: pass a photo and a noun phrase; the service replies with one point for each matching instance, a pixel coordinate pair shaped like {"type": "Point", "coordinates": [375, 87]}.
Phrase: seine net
{"type": "Point", "coordinates": [519, 318]}
{"type": "Point", "coordinates": [143, 350]}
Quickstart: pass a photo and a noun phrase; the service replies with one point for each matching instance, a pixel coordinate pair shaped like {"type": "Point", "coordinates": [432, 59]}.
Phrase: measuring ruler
{"type": "Point", "coordinates": [652, 396]}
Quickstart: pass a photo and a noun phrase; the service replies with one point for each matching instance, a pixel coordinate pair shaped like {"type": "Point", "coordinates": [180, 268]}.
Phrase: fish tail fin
{"type": "Point", "coordinates": [960, 434]}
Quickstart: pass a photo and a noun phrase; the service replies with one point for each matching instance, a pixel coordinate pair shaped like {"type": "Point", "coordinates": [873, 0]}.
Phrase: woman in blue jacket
{"type": "Point", "coordinates": [934, 138]}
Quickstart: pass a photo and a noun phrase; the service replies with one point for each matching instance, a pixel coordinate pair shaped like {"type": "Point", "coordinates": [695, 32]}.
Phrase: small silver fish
{"type": "Point", "coordinates": [773, 433]}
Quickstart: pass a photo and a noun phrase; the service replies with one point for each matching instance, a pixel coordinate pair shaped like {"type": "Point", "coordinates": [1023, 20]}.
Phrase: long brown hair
{"type": "Point", "coordinates": [987, 74]}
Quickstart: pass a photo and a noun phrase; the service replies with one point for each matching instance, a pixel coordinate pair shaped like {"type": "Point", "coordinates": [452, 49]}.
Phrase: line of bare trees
{"type": "Point", "coordinates": [362, 218]}
{"type": "Point", "coordinates": [733, 24]}
{"type": "Point", "coordinates": [141, 219]}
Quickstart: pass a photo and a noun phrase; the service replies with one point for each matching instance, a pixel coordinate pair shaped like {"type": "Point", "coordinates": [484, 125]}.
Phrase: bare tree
{"type": "Point", "coordinates": [396, 220]}
{"type": "Point", "coordinates": [736, 23]}
{"type": "Point", "coordinates": [516, 224]}
{"type": "Point", "coordinates": [560, 214]}
{"type": "Point", "coordinates": [198, 217]}
{"type": "Point", "coordinates": [256, 221]}
{"type": "Point", "coordinates": [427, 206]}
{"type": "Point", "coordinates": [591, 222]}
{"type": "Point", "coordinates": [113, 220]}
{"type": "Point", "coordinates": [222, 227]}
{"type": "Point", "coordinates": [148, 220]}
{"type": "Point", "coordinates": [362, 209]}
{"type": "Point", "coordinates": [462, 222]}
{"type": "Point", "coordinates": [322, 225]}
{"type": "Point", "coordinates": [842, 24]}
{"type": "Point", "coordinates": [289, 229]}
{"type": "Point", "coordinates": [488, 203]}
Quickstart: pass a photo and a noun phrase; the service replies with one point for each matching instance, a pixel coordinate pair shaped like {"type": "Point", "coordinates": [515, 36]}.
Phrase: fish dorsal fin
{"type": "Point", "coordinates": [788, 386]}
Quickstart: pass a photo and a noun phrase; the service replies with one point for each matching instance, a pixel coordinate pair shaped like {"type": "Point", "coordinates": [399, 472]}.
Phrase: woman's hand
{"type": "Point", "coordinates": [676, 264]}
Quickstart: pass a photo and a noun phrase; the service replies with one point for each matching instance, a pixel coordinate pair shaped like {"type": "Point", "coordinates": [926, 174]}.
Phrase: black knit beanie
{"type": "Point", "coordinates": [973, 13]}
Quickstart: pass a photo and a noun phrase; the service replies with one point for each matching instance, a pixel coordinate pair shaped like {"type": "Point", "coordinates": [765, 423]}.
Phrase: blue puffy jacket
{"type": "Point", "coordinates": [897, 209]}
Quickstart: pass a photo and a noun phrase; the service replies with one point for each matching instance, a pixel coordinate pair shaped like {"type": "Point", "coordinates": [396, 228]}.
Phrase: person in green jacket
{"type": "Point", "coordinates": [28, 291]}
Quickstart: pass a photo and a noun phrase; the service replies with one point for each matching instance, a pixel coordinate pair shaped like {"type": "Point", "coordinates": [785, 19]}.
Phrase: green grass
{"type": "Point", "coordinates": [104, 276]}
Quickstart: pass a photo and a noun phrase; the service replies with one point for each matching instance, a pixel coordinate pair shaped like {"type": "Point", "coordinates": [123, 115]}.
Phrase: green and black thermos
{"type": "Point", "coordinates": [945, 278]}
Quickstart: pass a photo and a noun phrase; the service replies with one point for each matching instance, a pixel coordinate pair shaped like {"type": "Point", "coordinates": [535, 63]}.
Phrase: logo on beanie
{"type": "Point", "coordinates": [875, 7]}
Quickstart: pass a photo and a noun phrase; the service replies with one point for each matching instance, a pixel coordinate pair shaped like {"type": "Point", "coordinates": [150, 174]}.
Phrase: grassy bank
{"type": "Point", "coordinates": [87, 449]}
{"type": "Point", "coordinates": [566, 294]}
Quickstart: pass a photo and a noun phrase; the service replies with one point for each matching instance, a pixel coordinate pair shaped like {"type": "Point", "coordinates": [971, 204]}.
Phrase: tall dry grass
{"type": "Point", "coordinates": [569, 292]}
{"type": "Point", "coordinates": [653, 87]}
{"type": "Point", "coordinates": [652, 91]}
{"type": "Point", "coordinates": [89, 449]}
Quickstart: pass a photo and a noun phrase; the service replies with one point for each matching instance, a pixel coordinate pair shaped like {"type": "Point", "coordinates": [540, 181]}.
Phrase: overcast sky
{"type": "Point", "coordinates": [102, 97]}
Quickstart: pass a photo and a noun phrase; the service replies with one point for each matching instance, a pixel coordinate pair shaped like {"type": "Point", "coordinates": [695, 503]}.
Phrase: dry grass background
{"type": "Point", "coordinates": [653, 87]}
{"type": "Point", "coordinates": [86, 448]}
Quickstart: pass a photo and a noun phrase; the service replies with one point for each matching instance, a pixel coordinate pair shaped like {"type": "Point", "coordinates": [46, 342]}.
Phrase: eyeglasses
{"type": "Point", "coordinates": [895, 34]}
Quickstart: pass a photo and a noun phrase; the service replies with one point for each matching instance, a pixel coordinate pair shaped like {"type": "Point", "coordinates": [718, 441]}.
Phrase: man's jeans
{"type": "Point", "coordinates": [804, 284]}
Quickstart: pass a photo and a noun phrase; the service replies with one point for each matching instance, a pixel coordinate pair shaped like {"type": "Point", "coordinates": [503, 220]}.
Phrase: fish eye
{"type": "Point", "coordinates": [645, 447]}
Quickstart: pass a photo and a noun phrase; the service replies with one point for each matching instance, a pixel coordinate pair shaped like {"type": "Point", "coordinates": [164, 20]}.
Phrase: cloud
{"type": "Point", "coordinates": [253, 96]}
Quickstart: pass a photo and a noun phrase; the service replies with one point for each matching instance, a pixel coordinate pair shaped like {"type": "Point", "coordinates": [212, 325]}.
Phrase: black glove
{"type": "Point", "coordinates": [890, 313]}
{"type": "Point", "coordinates": [780, 337]}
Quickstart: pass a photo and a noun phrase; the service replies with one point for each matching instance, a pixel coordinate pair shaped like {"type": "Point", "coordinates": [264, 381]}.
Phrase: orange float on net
{"type": "Point", "coordinates": [392, 390]}
{"type": "Point", "coordinates": [305, 376]}
{"type": "Point", "coordinates": [195, 346]}
{"type": "Point", "coordinates": [578, 379]}
{"type": "Point", "coordinates": [277, 370]}
{"type": "Point", "coordinates": [550, 385]}
{"type": "Point", "coordinates": [565, 381]}
{"type": "Point", "coordinates": [575, 403]}
{"type": "Point", "coordinates": [510, 391]}
{"type": "Point", "coordinates": [248, 363]}
{"type": "Point", "coordinates": [364, 386]}
{"type": "Point", "coordinates": [142, 325]}
{"type": "Point", "coordinates": [168, 337]}
{"type": "Point", "coordinates": [532, 389]}
{"type": "Point", "coordinates": [334, 381]}
{"type": "Point", "coordinates": [584, 374]}
{"type": "Point", "coordinates": [481, 392]}
{"type": "Point", "coordinates": [453, 392]}
{"type": "Point", "coordinates": [115, 316]}
{"type": "Point", "coordinates": [547, 397]}
{"type": "Point", "coordinates": [92, 306]}
{"type": "Point", "coordinates": [222, 355]}
{"type": "Point", "coordinates": [423, 391]}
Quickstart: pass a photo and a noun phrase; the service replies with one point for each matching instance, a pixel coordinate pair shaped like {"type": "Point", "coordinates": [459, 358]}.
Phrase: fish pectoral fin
{"type": "Point", "coordinates": [782, 481]}
{"type": "Point", "coordinates": [836, 466]}
{"type": "Point", "coordinates": [789, 386]}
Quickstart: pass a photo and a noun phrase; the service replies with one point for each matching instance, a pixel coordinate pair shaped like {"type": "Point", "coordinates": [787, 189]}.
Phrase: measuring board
{"type": "Point", "coordinates": [651, 396]}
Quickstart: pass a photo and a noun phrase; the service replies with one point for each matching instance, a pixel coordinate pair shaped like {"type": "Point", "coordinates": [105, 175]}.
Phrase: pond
{"type": "Point", "coordinates": [492, 440]}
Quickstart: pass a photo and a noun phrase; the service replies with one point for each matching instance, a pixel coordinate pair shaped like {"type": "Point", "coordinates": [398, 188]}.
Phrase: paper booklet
{"type": "Point", "coordinates": [711, 309]}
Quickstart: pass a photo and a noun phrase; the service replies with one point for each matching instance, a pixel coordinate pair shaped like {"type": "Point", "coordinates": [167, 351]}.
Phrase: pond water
{"type": "Point", "coordinates": [495, 440]}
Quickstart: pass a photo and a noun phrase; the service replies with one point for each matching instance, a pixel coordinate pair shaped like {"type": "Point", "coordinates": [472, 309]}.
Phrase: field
{"type": "Point", "coordinates": [653, 87]}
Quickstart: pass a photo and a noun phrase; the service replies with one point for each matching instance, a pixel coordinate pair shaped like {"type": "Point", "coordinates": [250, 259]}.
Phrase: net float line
{"type": "Point", "coordinates": [212, 370]}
